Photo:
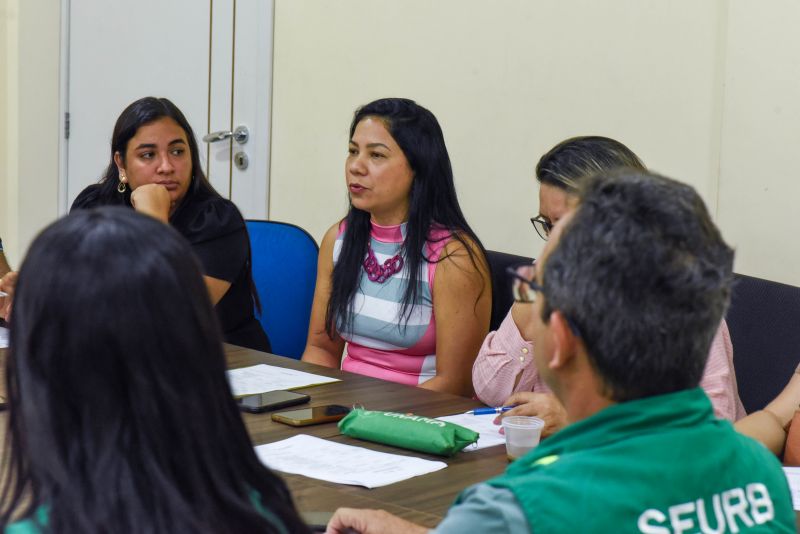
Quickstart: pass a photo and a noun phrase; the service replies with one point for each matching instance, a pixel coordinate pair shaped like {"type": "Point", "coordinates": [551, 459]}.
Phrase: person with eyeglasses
{"type": "Point", "coordinates": [643, 451]}
{"type": "Point", "coordinates": [503, 373]}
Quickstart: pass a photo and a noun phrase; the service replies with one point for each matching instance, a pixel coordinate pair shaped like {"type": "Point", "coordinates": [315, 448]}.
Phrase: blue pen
{"type": "Point", "coordinates": [489, 411]}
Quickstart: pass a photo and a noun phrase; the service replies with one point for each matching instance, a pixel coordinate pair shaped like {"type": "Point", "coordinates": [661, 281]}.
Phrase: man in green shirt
{"type": "Point", "coordinates": [629, 291]}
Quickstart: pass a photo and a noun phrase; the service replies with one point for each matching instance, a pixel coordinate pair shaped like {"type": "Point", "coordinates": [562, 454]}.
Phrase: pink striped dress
{"type": "Point", "coordinates": [379, 343]}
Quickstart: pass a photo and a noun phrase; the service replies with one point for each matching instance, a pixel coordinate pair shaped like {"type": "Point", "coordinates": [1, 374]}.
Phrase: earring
{"type": "Point", "coordinates": [122, 186]}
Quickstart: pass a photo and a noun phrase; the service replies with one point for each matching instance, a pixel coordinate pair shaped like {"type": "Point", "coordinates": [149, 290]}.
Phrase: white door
{"type": "Point", "coordinates": [212, 58]}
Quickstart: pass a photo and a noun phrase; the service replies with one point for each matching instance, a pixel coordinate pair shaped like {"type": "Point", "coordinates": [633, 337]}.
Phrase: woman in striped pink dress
{"type": "Point", "coordinates": [403, 291]}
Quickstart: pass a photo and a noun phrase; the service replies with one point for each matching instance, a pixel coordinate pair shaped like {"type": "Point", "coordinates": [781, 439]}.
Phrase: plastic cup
{"type": "Point", "coordinates": [522, 435]}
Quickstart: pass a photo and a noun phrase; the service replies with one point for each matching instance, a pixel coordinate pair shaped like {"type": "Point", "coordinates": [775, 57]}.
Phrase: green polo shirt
{"type": "Point", "coordinates": [657, 465]}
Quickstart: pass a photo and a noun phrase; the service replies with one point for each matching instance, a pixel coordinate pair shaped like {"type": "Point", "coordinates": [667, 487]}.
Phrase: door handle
{"type": "Point", "coordinates": [241, 134]}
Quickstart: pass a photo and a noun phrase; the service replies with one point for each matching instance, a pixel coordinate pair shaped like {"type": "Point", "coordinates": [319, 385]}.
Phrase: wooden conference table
{"type": "Point", "coordinates": [424, 499]}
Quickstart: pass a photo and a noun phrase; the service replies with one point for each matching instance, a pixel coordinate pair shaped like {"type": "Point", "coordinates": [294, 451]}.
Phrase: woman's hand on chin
{"type": "Point", "coordinates": [153, 200]}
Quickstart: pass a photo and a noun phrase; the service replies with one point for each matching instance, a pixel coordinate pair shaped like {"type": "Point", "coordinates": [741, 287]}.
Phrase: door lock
{"type": "Point", "coordinates": [241, 160]}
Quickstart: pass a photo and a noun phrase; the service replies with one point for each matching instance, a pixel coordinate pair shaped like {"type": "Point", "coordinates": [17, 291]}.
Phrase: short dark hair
{"type": "Point", "coordinates": [645, 276]}
{"type": "Point", "coordinates": [568, 163]}
{"type": "Point", "coordinates": [121, 418]}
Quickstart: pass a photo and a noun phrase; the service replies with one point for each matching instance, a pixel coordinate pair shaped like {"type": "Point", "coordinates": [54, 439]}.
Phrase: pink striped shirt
{"type": "Point", "coordinates": [505, 354]}
{"type": "Point", "coordinates": [380, 342]}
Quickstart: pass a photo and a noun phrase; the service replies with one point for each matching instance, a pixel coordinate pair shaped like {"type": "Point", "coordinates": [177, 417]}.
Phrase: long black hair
{"type": "Point", "coordinates": [432, 204]}
{"type": "Point", "coordinates": [120, 415]}
{"type": "Point", "coordinates": [145, 111]}
{"type": "Point", "coordinates": [140, 113]}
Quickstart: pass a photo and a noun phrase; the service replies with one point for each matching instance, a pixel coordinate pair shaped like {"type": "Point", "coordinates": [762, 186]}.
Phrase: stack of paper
{"type": "Point", "coordinates": [793, 477]}
{"type": "Point", "coordinates": [262, 378]}
{"type": "Point", "coordinates": [344, 464]}
{"type": "Point", "coordinates": [482, 424]}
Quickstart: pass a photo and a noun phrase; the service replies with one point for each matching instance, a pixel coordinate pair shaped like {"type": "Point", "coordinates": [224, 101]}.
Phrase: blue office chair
{"type": "Point", "coordinates": [284, 272]}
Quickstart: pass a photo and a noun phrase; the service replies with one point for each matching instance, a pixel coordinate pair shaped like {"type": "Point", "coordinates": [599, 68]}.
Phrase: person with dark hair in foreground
{"type": "Point", "coordinates": [402, 279]}
{"type": "Point", "coordinates": [154, 167]}
{"type": "Point", "coordinates": [504, 373]}
{"type": "Point", "coordinates": [629, 292]}
{"type": "Point", "coordinates": [121, 418]}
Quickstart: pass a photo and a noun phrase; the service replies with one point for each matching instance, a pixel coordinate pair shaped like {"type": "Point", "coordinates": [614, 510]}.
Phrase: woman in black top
{"type": "Point", "coordinates": [155, 168]}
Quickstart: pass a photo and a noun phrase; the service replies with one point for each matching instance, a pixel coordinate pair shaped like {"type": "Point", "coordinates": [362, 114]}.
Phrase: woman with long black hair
{"type": "Point", "coordinates": [120, 414]}
{"type": "Point", "coordinates": [402, 280]}
{"type": "Point", "coordinates": [155, 168]}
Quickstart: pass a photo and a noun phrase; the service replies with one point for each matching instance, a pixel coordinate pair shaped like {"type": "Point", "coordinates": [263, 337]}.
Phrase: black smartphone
{"type": "Point", "coordinates": [312, 416]}
{"type": "Point", "coordinates": [271, 400]}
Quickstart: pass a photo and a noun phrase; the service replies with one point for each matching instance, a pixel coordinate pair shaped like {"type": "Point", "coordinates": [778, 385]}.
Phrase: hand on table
{"type": "Point", "coordinates": [7, 285]}
{"type": "Point", "coordinates": [542, 405]}
{"type": "Point", "coordinates": [353, 521]}
{"type": "Point", "coordinates": [153, 200]}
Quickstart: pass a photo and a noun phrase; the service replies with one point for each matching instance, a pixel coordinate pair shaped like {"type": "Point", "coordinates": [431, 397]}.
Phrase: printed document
{"type": "Point", "coordinates": [793, 476]}
{"type": "Point", "coordinates": [262, 378]}
{"type": "Point", "coordinates": [3, 337]}
{"type": "Point", "coordinates": [482, 424]}
{"type": "Point", "coordinates": [344, 464]}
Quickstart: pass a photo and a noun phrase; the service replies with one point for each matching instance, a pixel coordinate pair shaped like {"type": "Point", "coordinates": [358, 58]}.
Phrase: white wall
{"type": "Point", "coordinates": [8, 55]}
{"type": "Point", "coordinates": [760, 186]}
{"type": "Point", "coordinates": [507, 80]}
{"type": "Point", "coordinates": [703, 91]}
{"type": "Point", "coordinates": [31, 122]}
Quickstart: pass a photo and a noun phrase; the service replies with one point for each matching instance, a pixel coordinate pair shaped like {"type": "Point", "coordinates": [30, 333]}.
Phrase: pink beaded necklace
{"type": "Point", "coordinates": [380, 273]}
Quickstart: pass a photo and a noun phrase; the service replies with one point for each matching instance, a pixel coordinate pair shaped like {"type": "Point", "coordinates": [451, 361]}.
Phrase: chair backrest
{"type": "Point", "coordinates": [285, 273]}
{"type": "Point", "coordinates": [502, 298]}
{"type": "Point", "coordinates": [764, 322]}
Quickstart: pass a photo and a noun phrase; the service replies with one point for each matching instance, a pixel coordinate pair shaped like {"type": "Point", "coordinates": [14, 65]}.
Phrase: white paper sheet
{"type": "Point", "coordinates": [482, 424]}
{"type": "Point", "coordinates": [793, 476]}
{"type": "Point", "coordinates": [262, 378]}
{"type": "Point", "coordinates": [344, 464]}
{"type": "Point", "coordinates": [3, 337]}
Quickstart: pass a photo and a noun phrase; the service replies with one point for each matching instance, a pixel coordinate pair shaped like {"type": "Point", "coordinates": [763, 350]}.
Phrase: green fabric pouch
{"type": "Point", "coordinates": [407, 431]}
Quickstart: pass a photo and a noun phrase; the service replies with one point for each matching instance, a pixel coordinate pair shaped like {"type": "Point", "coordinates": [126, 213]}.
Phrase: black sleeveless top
{"type": "Point", "coordinates": [216, 231]}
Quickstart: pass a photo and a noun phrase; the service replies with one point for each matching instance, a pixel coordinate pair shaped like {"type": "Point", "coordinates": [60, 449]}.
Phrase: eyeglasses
{"type": "Point", "coordinates": [523, 287]}
{"type": "Point", "coordinates": [542, 226]}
